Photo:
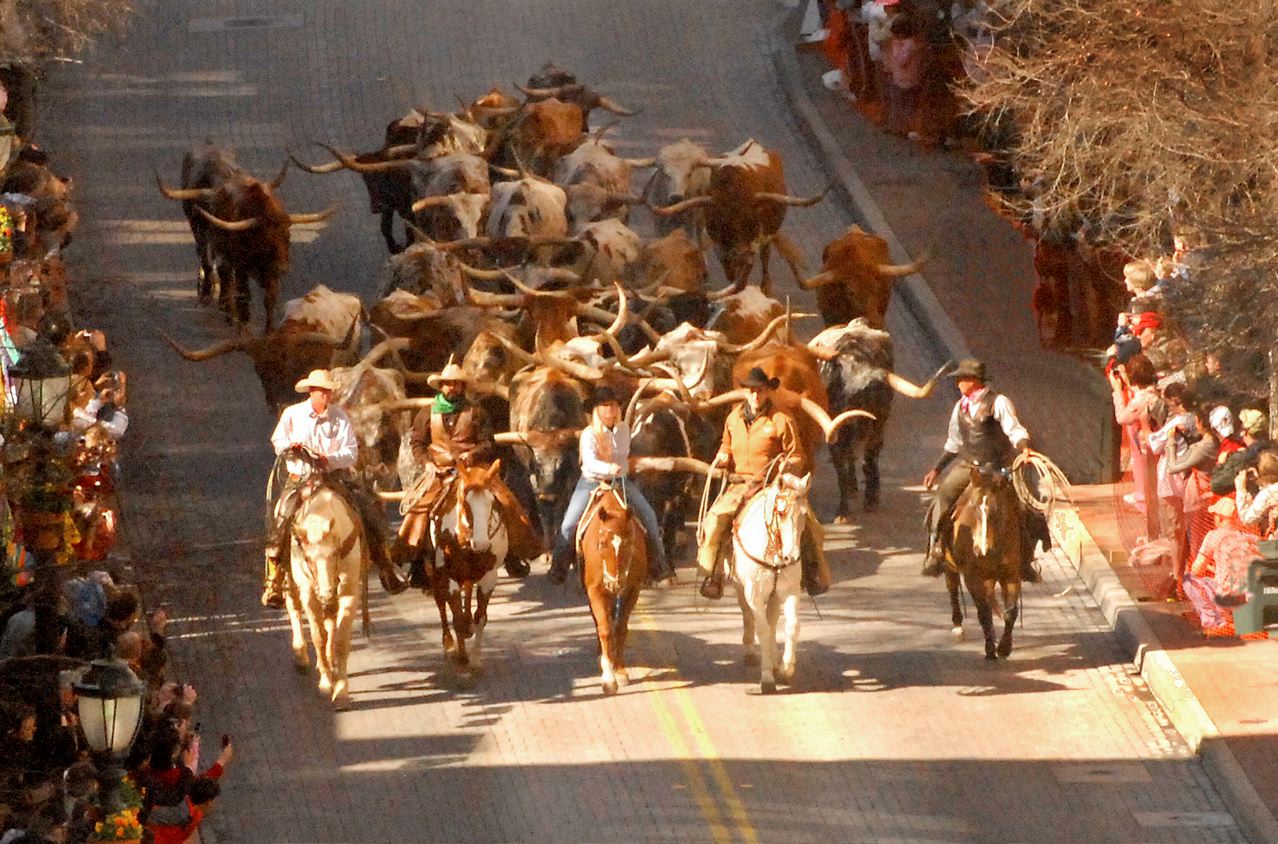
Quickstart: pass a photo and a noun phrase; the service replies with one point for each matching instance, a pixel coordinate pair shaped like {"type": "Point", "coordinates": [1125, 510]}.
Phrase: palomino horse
{"type": "Point", "coordinates": [766, 538]}
{"type": "Point", "coordinates": [986, 550]}
{"type": "Point", "coordinates": [470, 543]}
{"type": "Point", "coordinates": [329, 565]}
{"type": "Point", "coordinates": [614, 554]}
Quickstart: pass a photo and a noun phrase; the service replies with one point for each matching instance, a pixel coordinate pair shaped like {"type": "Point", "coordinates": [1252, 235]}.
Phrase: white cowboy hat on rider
{"type": "Point", "coordinates": [319, 379]}
{"type": "Point", "coordinates": [451, 372]}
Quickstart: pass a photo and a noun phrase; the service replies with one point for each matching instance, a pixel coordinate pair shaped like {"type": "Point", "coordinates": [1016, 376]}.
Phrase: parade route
{"type": "Point", "coordinates": [891, 733]}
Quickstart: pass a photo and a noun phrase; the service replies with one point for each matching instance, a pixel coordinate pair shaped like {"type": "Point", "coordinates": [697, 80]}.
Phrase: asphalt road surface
{"type": "Point", "coordinates": [890, 733]}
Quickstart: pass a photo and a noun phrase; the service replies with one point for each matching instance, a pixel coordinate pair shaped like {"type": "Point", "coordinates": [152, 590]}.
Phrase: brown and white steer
{"type": "Point", "coordinates": [856, 279]}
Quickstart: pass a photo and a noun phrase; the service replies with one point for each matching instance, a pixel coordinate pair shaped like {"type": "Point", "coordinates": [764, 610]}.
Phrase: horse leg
{"type": "Point", "coordinates": [341, 645]}
{"type": "Point", "coordinates": [956, 608]}
{"type": "Point", "coordinates": [486, 585]}
{"type": "Point", "coordinates": [319, 638]}
{"type": "Point", "coordinates": [790, 610]}
{"type": "Point", "coordinates": [979, 589]}
{"type": "Point", "coordinates": [748, 632]}
{"type": "Point", "coordinates": [1011, 610]}
{"type": "Point", "coordinates": [765, 621]}
{"type": "Point", "coordinates": [601, 612]}
{"type": "Point", "coordinates": [441, 584]}
{"type": "Point", "coordinates": [621, 633]}
{"type": "Point", "coordinates": [459, 602]}
{"type": "Point", "coordinates": [293, 601]}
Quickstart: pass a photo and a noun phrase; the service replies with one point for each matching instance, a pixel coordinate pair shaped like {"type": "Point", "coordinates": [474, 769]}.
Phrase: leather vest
{"type": "Point", "coordinates": [983, 438]}
{"type": "Point", "coordinates": [451, 435]}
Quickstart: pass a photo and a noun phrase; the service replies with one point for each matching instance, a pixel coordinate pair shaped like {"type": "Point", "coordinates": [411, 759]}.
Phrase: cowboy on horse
{"type": "Point", "coordinates": [984, 432]}
{"type": "Point", "coordinates": [605, 459]}
{"type": "Point", "coordinates": [323, 431]}
{"type": "Point", "coordinates": [450, 433]}
{"type": "Point", "coordinates": [758, 439]}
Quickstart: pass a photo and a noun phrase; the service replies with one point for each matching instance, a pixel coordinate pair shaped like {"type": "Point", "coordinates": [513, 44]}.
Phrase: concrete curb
{"type": "Point", "coordinates": [1151, 659]}
{"type": "Point", "coordinates": [1159, 671]}
{"type": "Point", "coordinates": [913, 291]}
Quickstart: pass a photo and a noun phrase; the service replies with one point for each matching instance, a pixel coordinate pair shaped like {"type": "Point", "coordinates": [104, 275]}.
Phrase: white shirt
{"type": "Point", "coordinates": [1004, 413]}
{"type": "Point", "coordinates": [83, 418]}
{"type": "Point", "coordinates": [1250, 512]}
{"type": "Point", "coordinates": [329, 435]}
{"type": "Point", "coordinates": [593, 468]}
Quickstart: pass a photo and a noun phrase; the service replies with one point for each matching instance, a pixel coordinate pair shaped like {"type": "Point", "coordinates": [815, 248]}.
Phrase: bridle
{"type": "Point", "coordinates": [466, 517]}
{"type": "Point", "coordinates": [784, 506]}
{"type": "Point", "coordinates": [623, 555]}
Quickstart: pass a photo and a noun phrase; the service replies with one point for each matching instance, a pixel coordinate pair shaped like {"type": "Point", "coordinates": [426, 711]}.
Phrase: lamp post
{"type": "Point", "coordinates": [109, 702]}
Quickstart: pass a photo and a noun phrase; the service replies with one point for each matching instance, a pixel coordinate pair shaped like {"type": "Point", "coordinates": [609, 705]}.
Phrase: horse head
{"type": "Point", "coordinates": [978, 509]}
{"type": "Point", "coordinates": [477, 517]}
{"type": "Point", "coordinates": [786, 508]}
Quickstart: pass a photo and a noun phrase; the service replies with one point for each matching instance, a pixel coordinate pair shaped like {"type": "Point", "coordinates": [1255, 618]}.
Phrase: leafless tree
{"type": "Point", "coordinates": [44, 29]}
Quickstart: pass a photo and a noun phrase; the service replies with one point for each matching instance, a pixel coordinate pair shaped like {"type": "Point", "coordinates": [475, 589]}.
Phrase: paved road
{"type": "Point", "coordinates": [891, 733]}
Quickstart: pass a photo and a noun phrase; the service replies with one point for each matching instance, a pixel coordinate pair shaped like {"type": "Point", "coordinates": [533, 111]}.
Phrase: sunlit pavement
{"type": "Point", "coordinates": [891, 732]}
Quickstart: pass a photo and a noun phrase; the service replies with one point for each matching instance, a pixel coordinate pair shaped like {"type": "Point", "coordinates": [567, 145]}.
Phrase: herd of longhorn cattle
{"type": "Point", "coordinates": [524, 263]}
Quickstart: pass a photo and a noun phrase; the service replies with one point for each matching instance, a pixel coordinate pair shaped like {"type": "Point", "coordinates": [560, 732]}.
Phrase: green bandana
{"type": "Point", "coordinates": [443, 405]}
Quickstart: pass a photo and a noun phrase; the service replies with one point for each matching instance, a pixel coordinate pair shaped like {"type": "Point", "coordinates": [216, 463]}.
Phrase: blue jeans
{"type": "Point", "coordinates": [566, 543]}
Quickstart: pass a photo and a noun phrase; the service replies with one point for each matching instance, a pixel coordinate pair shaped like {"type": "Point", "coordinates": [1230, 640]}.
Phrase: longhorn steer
{"type": "Point", "coordinates": [682, 172]}
{"type": "Point", "coordinates": [856, 278]}
{"type": "Point", "coordinates": [745, 204]}
{"type": "Point", "coordinates": [319, 331]}
{"type": "Point", "coordinates": [240, 228]}
{"type": "Point", "coordinates": [856, 368]}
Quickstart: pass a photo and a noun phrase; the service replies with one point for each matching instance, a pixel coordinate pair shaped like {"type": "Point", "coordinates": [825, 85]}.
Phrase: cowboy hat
{"type": "Point", "coordinates": [1253, 421]}
{"type": "Point", "coordinates": [756, 377]}
{"type": "Point", "coordinates": [451, 372]}
{"type": "Point", "coordinates": [319, 379]}
{"type": "Point", "coordinates": [969, 368]}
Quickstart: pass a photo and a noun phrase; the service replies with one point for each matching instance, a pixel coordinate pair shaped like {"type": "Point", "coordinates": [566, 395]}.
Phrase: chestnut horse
{"type": "Point", "coordinates": [614, 555]}
{"type": "Point", "coordinates": [987, 547]}
{"type": "Point", "coordinates": [471, 542]}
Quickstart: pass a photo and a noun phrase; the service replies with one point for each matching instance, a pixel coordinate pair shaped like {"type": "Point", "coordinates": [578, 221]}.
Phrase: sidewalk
{"type": "Point", "coordinates": [1221, 694]}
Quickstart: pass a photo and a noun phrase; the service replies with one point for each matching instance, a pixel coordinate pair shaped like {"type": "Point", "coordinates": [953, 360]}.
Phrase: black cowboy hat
{"type": "Point", "coordinates": [605, 395]}
{"type": "Point", "coordinates": [969, 368]}
{"type": "Point", "coordinates": [756, 377]}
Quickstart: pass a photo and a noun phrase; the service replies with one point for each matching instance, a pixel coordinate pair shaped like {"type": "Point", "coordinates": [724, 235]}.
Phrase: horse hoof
{"type": "Point", "coordinates": [786, 675]}
{"type": "Point", "coordinates": [841, 519]}
{"type": "Point", "coordinates": [623, 678]}
{"type": "Point", "coordinates": [325, 686]}
{"type": "Point", "coordinates": [751, 658]}
{"type": "Point", "coordinates": [610, 688]}
{"type": "Point", "coordinates": [957, 632]}
{"type": "Point", "coordinates": [342, 701]}
{"type": "Point", "coordinates": [768, 687]}
{"type": "Point", "coordinates": [990, 656]}
{"type": "Point", "coordinates": [1004, 649]}
{"type": "Point", "coordinates": [871, 506]}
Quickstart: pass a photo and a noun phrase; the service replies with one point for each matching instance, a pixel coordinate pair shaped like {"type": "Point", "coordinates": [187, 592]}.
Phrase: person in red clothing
{"type": "Point", "coordinates": [199, 801]}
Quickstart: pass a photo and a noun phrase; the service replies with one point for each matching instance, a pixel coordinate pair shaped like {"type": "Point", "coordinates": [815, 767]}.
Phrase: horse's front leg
{"type": "Point", "coordinates": [459, 597]}
{"type": "Point", "coordinates": [441, 585]}
{"type": "Point", "coordinates": [952, 586]}
{"type": "Point", "coordinates": [980, 590]}
{"type": "Point", "coordinates": [622, 632]}
{"type": "Point", "coordinates": [315, 620]}
{"type": "Point", "coordinates": [749, 638]}
{"type": "Point", "coordinates": [765, 620]}
{"type": "Point", "coordinates": [601, 612]}
{"type": "Point", "coordinates": [341, 648]}
{"type": "Point", "coordinates": [292, 600]}
{"type": "Point", "coordinates": [485, 588]}
{"type": "Point", "coordinates": [790, 612]}
{"type": "Point", "coordinates": [1011, 610]}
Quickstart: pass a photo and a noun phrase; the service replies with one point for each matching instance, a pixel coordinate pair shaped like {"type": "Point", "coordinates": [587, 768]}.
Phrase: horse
{"type": "Point", "coordinates": [987, 547]}
{"type": "Point", "coordinates": [470, 541]}
{"type": "Point", "coordinates": [614, 555]}
{"type": "Point", "coordinates": [766, 537]}
{"type": "Point", "coordinates": [329, 565]}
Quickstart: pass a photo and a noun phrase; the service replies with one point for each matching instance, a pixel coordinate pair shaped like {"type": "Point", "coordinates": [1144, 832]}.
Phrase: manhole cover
{"type": "Point", "coordinates": [245, 22]}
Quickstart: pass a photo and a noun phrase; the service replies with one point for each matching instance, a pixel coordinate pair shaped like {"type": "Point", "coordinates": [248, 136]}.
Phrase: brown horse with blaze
{"type": "Point", "coordinates": [614, 555]}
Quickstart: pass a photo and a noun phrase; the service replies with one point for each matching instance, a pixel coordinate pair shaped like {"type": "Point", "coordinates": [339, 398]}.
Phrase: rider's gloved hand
{"type": "Point", "coordinates": [321, 461]}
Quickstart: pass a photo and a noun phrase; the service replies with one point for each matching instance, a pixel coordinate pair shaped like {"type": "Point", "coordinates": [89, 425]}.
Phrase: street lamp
{"type": "Point", "coordinates": [109, 704]}
{"type": "Point", "coordinates": [41, 383]}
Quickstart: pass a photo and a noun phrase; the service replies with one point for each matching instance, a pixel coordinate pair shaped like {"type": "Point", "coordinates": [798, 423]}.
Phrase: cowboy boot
{"type": "Point", "coordinates": [934, 561]}
{"type": "Point", "coordinates": [816, 572]}
{"type": "Point", "coordinates": [273, 585]}
{"type": "Point", "coordinates": [708, 565]}
{"type": "Point", "coordinates": [559, 562]}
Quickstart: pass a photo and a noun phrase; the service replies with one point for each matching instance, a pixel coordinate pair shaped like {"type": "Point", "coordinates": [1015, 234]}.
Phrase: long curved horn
{"type": "Point", "coordinates": [465, 243]}
{"type": "Point", "coordinates": [821, 279]}
{"type": "Point", "coordinates": [716, 295]}
{"type": "Point", "coordinates": [898, 270]}
{"type": "Point", "coordinates": [908, 389]}
{"type": "Point", "coordinates": [235, 344]}
{"type": "Point", "coordinates": [182, 194]}
{"type": "Point", "coordinates": [787, 199]}
{"type": "Point", "coordinates": [518, 351]}
{"type": "Point", "coordinates": [822, 418]}
{"type": "Point", "coordinates": [641, 162]}
{"type": "Point", "coordinates": [429, 202]}
{"type": "Point", "coordinates": [399, 151]}
{"type": "Point", "coordinates": [580, 371]}
{"type": "Point", "coordinates": [278, 181]}
{"type": "Point", "coordinates": [540, 92]}
{"type": "Point", "coordinates": [532, 291]}
{"type": "Point", "coordinates": [483, 275]}
{"type": "Point", "coordinates": [757, 342]}
{"type": "Point", "coordinates": [508, 172]}
{"type": "Point", "coordinates": [609, 104]}
{"type": "Point", "coordinates": [350, 163]}
{"type": "Point", "coordinates": [227, 225]}
{"type": "Point", "coordinates": [680, 207]}
{"type": "Point", "coordinates": [730, 397]}
{"type": "Point", "coordinates": [386, 347]}
{"type": "Point", "coordinates": [509, 438]}
{"type": "Point", "coordinates": [493, 300]}
{"type": "Point", "coordinates": [316, 169]}
{"type": "Point", "coordinates": [317, 217]}
{"type": "Point", "coordinates": [620, 198]}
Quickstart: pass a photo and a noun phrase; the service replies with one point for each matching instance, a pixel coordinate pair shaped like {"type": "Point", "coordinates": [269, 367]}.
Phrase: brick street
{"type": "Point", "coordinates": [891, 733]}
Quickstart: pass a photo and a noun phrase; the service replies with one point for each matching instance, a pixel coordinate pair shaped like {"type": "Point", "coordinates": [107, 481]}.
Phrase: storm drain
{"type": "Point", "coordinates": [241, 24]}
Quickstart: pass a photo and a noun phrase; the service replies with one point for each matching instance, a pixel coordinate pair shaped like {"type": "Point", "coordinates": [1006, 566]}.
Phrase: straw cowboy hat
{"type": "Point", "coordinates": [319, 379]}
{"type": "Point", "coordinates": [451, 372]}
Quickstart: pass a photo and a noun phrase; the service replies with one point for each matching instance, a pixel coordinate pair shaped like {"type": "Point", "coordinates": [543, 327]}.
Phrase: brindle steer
{"type": "Point", "coordinates": [614, 552]}
{"type": "Point", "coordinates": [987, 551]}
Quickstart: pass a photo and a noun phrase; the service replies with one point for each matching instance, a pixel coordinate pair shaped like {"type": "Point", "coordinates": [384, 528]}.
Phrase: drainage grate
{"type": "Point", "coordinates": [243, 23]}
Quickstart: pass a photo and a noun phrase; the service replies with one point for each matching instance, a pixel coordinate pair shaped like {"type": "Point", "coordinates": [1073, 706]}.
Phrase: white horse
{"type": "Point", "coordinates": [329, 565]}
{"type": "Point", "coordinates": [471, 542]}
{"type": "Point", "coordinates": [766, 571]}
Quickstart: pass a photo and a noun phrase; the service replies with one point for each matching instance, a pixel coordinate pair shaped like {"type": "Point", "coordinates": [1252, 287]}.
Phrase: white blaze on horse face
{"type": "Point", "coordinates": [481, 512]}
{"type": "Point", "coordinates": [983, 528]}
{"type": "Point", "coordinates": [315, 528]}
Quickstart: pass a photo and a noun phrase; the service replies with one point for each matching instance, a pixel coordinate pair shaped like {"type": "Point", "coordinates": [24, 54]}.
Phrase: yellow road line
{"type": "Point", "coordinates": [691, 771]}
{"type": "Point", "coordinates": [710, 755]}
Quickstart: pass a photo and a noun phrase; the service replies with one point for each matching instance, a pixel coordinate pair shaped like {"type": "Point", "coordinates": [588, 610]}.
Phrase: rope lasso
{"type": "Point", "coordinates": [1049, 487]}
